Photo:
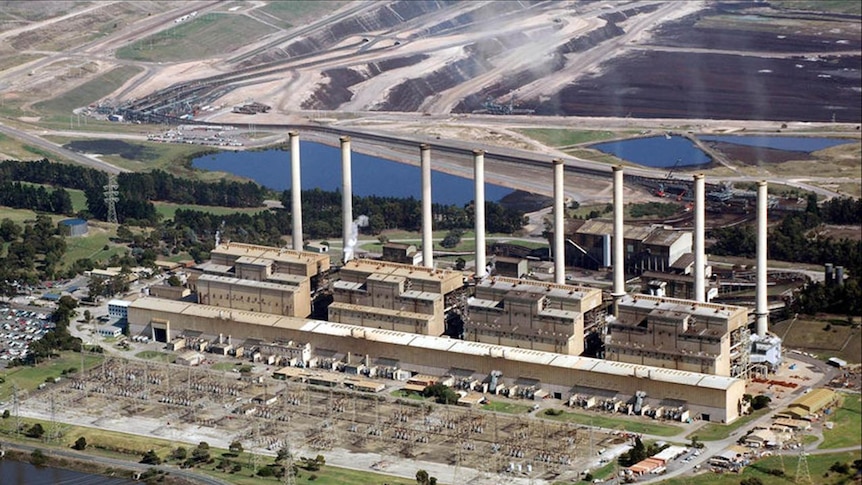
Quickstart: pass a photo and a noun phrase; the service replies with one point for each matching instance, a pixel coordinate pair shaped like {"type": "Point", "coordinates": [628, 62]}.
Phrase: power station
{"type": "Point", "coordinates": [564, 340]}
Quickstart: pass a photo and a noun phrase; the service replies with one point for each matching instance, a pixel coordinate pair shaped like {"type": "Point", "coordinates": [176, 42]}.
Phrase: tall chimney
{"type": "Point", "coordinates": [559, 224]}
{"type": "Point", "coordinates": [479, 203]}
{"type": "Point", "coordinates": [427, 228]}
{"type": "Point", "coordinates": [761, 311]}
{"type": "Point", "coordinates": [699, 230]}
{"type": "Point", "coordinates": [295, 191]}
{"type": "Point", "coordinates": [619, 262]}
{"type": "Point", "coordinates": [346, 197]}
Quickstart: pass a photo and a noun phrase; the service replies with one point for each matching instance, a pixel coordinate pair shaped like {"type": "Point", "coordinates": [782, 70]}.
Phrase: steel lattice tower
{"type": "Point", "coordinates": [111, 198]}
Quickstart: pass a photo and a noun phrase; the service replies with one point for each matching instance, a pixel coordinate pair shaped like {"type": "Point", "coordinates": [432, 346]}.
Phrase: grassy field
{"type": "Point", "coordinates": [835, 6]}
{"type": "Point", "coordinates": [848, 422]}
{"type": "Point", "coordinates": [602, 421]}
{"type": "Point", "coordinates": [132, 447]}
{"type": "Point", "coordinates": [167, 209]}
{"type": "Point", "coordinates": [155, 355]}
{"type": "Point", "coordinates": [506, 407]}
{"type": "Point", "coordinates": [716, 431]}
{"type": "Point", "coordinates": [821, 337]}
{"type": "Point", "coordinates": [292, 13]}
{"type": "Point", "coordinates": [28, 378]}
{"type": "Point", "coordinates": [170, 157]}
{"type": "Point", "coordinates": [197, 38]}
{"type": "Point", "coordinates": [15, 149]}
{"type": "Point", "coordinates": [89, 92]}
{"type": "Point", "coordinates": [818, 466]}
{"type": "Point", "coordinates": [92, 246]}
{"type": "Point", "coordinates": [563, 138]}
{"type": "Point", "coordinates": [407, 395]}
{"type": "Point", "coordinates": [597, 156]}
{"type": "Point", "coordinates": [8, 62]}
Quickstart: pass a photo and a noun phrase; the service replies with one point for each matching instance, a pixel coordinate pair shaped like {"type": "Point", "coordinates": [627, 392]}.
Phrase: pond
{"type": "Point", "coordinates": [656, 151]}
{"type": "Point", "coordinates": [786, 143]}
{"type": "Point", "coordinates": [22, 473]}
{"type": "Point", "coordinates": [321, 168]}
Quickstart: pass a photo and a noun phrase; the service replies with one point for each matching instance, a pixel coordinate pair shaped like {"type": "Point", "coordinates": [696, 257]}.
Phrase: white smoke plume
{"type": "Point", "coordinates": [361, 221]}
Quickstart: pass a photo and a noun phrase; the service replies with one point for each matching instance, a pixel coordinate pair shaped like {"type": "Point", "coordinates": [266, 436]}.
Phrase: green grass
{"type": "Point", "coordinates": [28, 378]}
{"type": "Point", "coordinates": [834, 6]}
{"type": "Point", "coordinates": [167, 209]}
{"type": "Point", "coordinates": [90, 91]}
{"type": "Point", "coordinates": [848, 422]}
{"type": "Point", "coordinates": [596, 156]}
{"type": "Point", "coordinates": [407, 395]}
{"type": "Point", "coordinates": [291, 13]}
{"type": "Point", "coordinates": [602, 421]}
{"type": "Point", "coordinates": [200, 37]}
{"type": "Point", "coordinates": [92, 246]}
{"type": "Point", "coordinates": [818, 466]}
{"type": "Point", "coordinates": [506, 407]}
{"type": "Point", "coordinates": [562, 138]}
{"type": "Point", "coordinates": [79, 198]}
{"type": "Point", "coordinates": [154, 355]}
{"type": "Point", "coordinates": [8, 62]}
{"type": "Point", "coordinates": [223, 366]}
{"type": "Point", "coordinates": [811, 335]}
{"type": "Point", "coordinates": [131, 447]}
{"type": "Point", "coordinates": [716, 431]}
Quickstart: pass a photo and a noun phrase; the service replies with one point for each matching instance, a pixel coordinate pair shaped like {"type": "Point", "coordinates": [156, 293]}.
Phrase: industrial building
{"type": "Point", "coordinates": [679, 334]}
{"type": "Point", "coordinates": [714, 398]}
{"type": "Point", "coordinates": [531, 314]}
{"type": "Point", "coordinates": [393, 296]}
{"type": "Point", "coordinates": [663, 356]}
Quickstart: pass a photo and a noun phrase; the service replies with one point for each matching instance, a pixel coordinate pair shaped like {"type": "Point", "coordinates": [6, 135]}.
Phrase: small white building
{"type": "Point", "coordinates": [190, 358]}
{"type": "Point", "coordinates": [119, 309]}
{"type": "Point", "coordinates": [109, 331]}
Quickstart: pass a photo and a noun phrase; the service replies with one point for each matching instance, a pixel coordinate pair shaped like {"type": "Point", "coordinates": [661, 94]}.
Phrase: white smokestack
{"type": "Point", "coordinates": [427, 228]}
{"type": "Point", "coordinates": [295, 191]}
{"type": "Point", "coordinates": [346, 197]}
{"type": "Point", "coordinates": [699, 230]}
{"type": "Point", "coordinates": [479, 201]}
{"type": "Point", "coordinates": [559, 225]}
{"type": "Point", "coordinates": [761, 311]}
{"type": "Point", "coordinates": [619, 263]}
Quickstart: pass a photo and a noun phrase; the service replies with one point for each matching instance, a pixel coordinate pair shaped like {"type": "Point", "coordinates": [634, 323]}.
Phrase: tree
{"type": "Point", "coordinates": [760, 402]}
{"type": "Point", "coordinates": [35, 431]}
{"type": "Point", "coordinates": [441, 393]}
{"type": "Point", "coordinates": [235, 447]}
{"type": "Point", "coordinates": [6, 414]}
{"type": "Point", "coordinates": [422, 477]}
{"type": "Point", "coordinates": [80, 444]}
{"type": "Point", "coordinates": [87, 315]}
{"type": "Point", "coordinates": [173, 280]}
{"type": "Point", "coordinates": [38, 458]}
{"type": "Point", "coordinates": [751, 481]}
{"type": "Point", "coordinates": [180, 453]}
{"type": "Point", "coordinates": [151, 458]}
{"type": "Point", "coordinates": [460, 263]}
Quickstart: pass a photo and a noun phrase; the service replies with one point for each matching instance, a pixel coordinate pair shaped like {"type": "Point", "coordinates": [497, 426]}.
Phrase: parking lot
{"type": "Point", "coordinates": [17, 329]}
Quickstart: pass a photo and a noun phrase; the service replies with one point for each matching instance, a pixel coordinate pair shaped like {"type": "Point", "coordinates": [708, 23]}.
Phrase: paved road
{"type": "Point", "coordinates": [112, 462]}
{"type": "Point", "coordinates": [53, 147]}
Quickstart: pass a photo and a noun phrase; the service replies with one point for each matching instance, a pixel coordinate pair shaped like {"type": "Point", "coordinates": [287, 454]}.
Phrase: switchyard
{"type": "Point", "coordinates": [267, 414]}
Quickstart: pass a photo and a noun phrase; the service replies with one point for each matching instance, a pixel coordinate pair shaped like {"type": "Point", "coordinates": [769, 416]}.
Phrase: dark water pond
{"type": "Point", "coordinates": [656, 151]}
{"type": "Point", "coordinates": [321, 168]}
{"type": "Point", "coordinates": [787, 143]}
{"type": "Point", "coordinates": [21, 473]}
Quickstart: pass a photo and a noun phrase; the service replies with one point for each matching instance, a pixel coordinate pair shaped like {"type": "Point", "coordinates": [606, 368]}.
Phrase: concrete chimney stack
{"type": "Point", "coordinates": [761, 311]}
{"type": "Point", "coordinates": [295, 191]}
{"type": "Point", "coordinates": [619, 289]}
{"type": "Point", "coordinates": [699, 236]}
{"type": "Point", "coordinates": [559, 224]}
{"type": "Point", "coordinates": [479, 202]}
{"type": "Point", "coordinates": [346, 196]}
{"type": "Point", "coordinates": [427, 228]}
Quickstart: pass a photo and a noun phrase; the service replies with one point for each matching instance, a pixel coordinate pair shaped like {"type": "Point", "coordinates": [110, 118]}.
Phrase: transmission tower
{"type": "Point", "coordinates": [111, 198]}
{"type": "Point", "coordinates": [15, 409]}
{"type": "Point", "coordinates": [803, 475]}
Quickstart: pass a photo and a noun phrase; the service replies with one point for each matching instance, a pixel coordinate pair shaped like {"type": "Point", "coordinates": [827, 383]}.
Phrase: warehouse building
{"type": "Point", "coordinates": [714, 398]}
{"type": "Point", "coordinates": [679, 334]}
{"type": "Point", "coordinates": [531, 314]}
{"type": "Point", "coordinates": [392, 296]}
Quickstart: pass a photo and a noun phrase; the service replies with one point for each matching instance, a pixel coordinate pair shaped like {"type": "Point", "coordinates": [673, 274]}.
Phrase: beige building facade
{"type": "Point", "coordinates": [713, 397]}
